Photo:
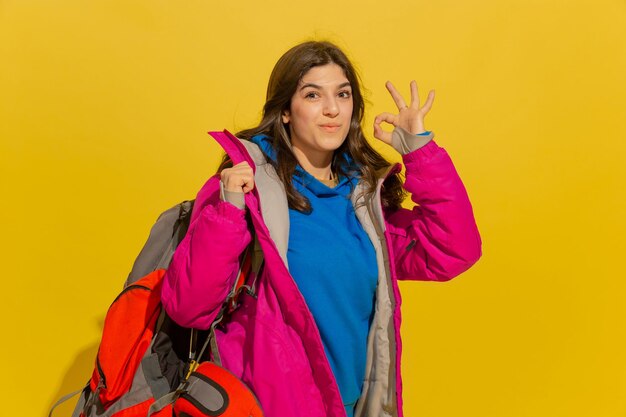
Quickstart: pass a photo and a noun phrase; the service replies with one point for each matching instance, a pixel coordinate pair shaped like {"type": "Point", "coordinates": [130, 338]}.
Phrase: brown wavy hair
{"type": "Point", "coordinates": [283, 82]}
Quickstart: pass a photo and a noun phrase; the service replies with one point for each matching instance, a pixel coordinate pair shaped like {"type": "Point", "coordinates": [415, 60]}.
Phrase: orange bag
{"type": "Point", "coordinates": [213, 391]}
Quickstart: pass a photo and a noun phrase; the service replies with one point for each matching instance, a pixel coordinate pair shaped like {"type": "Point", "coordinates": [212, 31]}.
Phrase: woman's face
{"type": "Point", "coordinates": [320, 112]}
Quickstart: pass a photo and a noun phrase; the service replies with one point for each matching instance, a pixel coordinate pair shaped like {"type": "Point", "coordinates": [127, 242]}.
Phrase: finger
{"type": "Point", "coordinates": [245, 170]}
{"type": "Point", "coordinates": [238, 179]}
{"type": "Point", "coordinates": [429, 102]}
{"type": "Point", "coordinates": [244, 183]}
{"type": "Point", "coordinates": [415, 98]}
{"type": "Point", "coordinates": [386, 117]}
{"type": "Point", "coordinates": [243, 166]}
{"type": "Point", "coordinates": [247, 186]}
{"type": "Point", "coordinates": [379, 133]}
{"type": "Point", "coordinates": [242, 170]}
{"type": "Point", "coordinates": [397, 98]}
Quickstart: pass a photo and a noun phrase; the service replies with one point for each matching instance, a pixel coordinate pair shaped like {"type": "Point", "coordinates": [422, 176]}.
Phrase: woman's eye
{"type": "Point", "coordinates": [312, 94]}
{"type": "Point", "coordinates": [344, 94]}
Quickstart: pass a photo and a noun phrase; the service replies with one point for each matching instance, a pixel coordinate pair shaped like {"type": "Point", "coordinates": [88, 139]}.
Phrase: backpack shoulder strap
{"type": "Point", "coordinates": [169, 229]}
{"type": "Point", "coordinates": [67, 397]}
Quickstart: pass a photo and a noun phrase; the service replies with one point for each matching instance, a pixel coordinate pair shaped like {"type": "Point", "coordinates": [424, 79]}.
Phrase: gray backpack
{"type": "Point", "coordinates": [164, 361]}
{"type": "Point", "coordinates": [168, 231]}
{"type": "Point", "coordinates": [164, 369]}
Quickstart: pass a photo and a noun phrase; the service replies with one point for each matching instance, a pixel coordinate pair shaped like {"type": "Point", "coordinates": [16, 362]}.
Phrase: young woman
{"type": "Point", "coordinates": [321, 337]}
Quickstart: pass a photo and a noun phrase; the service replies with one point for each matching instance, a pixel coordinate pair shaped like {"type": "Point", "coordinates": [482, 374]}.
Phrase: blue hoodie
{"type": "Point", "coordinates": [333, 262]}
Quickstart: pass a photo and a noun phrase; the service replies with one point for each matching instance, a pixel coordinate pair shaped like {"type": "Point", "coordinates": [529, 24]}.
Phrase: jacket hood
{"type": "Point", "coordinates": [302, 179]}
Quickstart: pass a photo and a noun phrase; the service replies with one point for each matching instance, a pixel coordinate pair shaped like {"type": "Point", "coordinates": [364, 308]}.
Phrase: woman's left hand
{"type": "Point", "coordinates": [410, 118]}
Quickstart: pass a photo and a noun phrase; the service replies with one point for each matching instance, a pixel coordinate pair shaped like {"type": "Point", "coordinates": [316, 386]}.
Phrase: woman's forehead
{"type": "Point", "coordinates": [328, 75]}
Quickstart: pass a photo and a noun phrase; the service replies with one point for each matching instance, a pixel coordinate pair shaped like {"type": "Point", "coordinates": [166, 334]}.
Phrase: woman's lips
{"type": "Point", "coordinates": [330, 128]}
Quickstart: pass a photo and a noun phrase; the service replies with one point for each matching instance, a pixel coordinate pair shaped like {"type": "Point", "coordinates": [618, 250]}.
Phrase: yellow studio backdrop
{"type": "Point", "coordinates": [104, 107]}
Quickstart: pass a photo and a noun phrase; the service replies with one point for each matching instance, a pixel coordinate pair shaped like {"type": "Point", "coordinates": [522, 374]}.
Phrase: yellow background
{"type": "Point", "coordinates": [104, 107]}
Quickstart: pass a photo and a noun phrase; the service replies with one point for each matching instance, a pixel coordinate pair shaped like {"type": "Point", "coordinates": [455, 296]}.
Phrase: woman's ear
{"type": "Point", "coordinates": [285, 116]}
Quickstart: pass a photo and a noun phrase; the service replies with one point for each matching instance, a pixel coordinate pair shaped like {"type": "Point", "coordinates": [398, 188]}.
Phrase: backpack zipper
{"type": "Point", "coordinates": [131, 287]}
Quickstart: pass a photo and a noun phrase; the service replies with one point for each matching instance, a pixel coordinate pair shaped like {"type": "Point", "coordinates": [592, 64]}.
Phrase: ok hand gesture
{"type": "Point", "coordinates": [410, 118]}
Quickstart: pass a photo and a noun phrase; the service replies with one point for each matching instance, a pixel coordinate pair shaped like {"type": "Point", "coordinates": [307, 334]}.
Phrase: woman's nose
{"type": "Point", "coordinates": [331, 108]}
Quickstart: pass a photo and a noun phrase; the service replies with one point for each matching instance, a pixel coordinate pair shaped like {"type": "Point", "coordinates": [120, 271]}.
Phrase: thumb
{"type": "Point", "coordinates": [381, 134]}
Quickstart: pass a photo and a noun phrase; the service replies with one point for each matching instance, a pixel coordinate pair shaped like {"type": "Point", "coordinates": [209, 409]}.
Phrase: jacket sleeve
{"type": "Point", "coordinates": [205, 264]}
{"type": "Point", "coordinates": [438, 239]}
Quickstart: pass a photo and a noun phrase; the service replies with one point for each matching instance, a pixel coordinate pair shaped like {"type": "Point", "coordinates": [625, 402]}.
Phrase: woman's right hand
{"type": "Point", "coordinates": [238, 179]}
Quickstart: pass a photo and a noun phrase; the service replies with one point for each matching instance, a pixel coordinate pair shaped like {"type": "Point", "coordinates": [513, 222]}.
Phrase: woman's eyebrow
{"type": "Point", "coordinates": [346, 84]}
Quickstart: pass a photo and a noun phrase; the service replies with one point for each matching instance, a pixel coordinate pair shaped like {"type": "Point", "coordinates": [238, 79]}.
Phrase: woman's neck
{"type": "Point", "coordinates": [318, 165]}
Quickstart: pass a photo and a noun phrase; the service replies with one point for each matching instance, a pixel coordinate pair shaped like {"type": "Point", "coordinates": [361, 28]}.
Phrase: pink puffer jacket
{"type": "Point", "coordinates": [272, 342]}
